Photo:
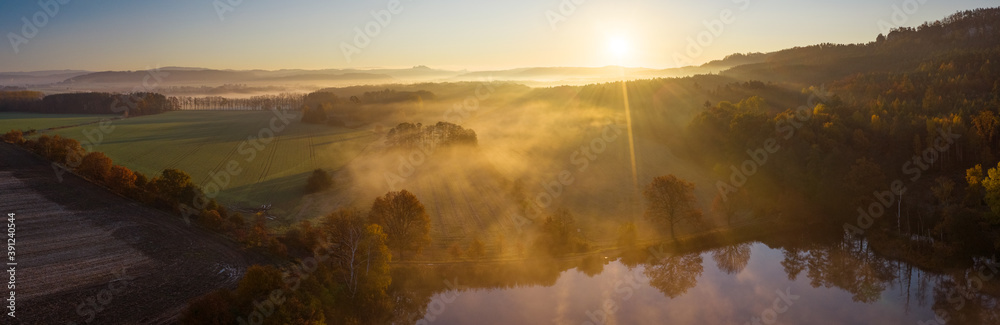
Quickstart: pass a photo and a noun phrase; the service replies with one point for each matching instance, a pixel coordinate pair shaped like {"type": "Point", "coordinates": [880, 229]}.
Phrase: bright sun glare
{"type": "Point", "coordinates": [618, 46]}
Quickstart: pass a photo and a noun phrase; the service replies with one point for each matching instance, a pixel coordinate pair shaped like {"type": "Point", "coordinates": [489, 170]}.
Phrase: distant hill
{"type": "Point", "coordinates": [610, 73]}
{"type": "Point", "coordinates": [38, 77]}
{"type": "Point", "coordinates": [903, 49]}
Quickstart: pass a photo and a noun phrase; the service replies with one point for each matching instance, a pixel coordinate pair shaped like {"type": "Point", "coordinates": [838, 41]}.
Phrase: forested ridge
{"type": "Point", "coordinates": [924, 127]}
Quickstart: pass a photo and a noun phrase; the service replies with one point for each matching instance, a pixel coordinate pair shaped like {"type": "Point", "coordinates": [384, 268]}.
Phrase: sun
{"type": "Point", "coordinates": [618, 46]}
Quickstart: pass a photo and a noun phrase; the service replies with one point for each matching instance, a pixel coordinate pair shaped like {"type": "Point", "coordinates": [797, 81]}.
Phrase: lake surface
{"type": "Point", "coordinates": [749, 283]}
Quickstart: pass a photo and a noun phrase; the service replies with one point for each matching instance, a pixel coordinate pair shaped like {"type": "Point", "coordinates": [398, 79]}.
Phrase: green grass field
{"type": "Point", "coordinates": [203, 143]}
{"type": "Point", "coordinates": [27, 121]}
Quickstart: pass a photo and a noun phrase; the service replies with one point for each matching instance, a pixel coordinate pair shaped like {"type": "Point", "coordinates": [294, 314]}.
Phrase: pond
{"type": "Point", "coordinates": [749, 283]}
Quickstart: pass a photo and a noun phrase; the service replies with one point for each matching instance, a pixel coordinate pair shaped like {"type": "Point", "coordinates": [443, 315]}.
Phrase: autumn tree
{"type": "Point", "coordinates": [121, 178]}
{"type": "Point", "coordinates": [319, 180]}
{"type": "Point", "coordinates": [986, 124]}
{"type": "Point", "coordinates": [316, 115]}
{"type": "Point", "coordinates": [403, 219]}
{"type": "Point", "coordinates": [257, 235]}
{"type": "Point", "coordinates": [96, 166]}
{"type": "Point", "coordinates": [304, 238]}
{"type": "Point", "coordinates": [974, 192]}
{"type": "Point", "coordinates": [258, 281]}
{"type": "Point", "coordinates": [560, 234]}
{"type": "Point", "coordinates": [671, 201]}
{"type": "Point", "coordinates": [992, 187]}
{"type": "Point", "coordinates": [14, 136]}
{"type": "Point", "coordinates": [359, 253]}
{"type": "Point", "coordinates": [140, 179]}
{"type": "Point", "coordinates": [175, 186]}
{"type": "Point", "coordinates": [59, 150]}
{"type": "Point", "coordinates": [376, 277]}
{"type": "Point", "coordinates": [212, 220]}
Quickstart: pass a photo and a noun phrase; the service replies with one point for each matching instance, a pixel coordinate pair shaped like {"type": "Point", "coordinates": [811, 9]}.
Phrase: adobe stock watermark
{"type": "Point", "coordinates": [915, 168]}
{"type": "Point", "coordinates": [624, 288]}
{"type": "Point", "coordinates": [758, 157]}
{"type": "Point", "coordinates": [222, 7]}
{"type": "Point", "coordinates": [459, 113]}
{"type": "Point", "coordinates": [95, 304]}
{"type": "Point", "coordinates": [249, 148]}
{"type": "Point", "coordinates": [554, 186]}
{"type": "Point", "coordinates": [564, 9]}
{"type": "Point", "coordinates": [900, 15]}
{"type": "Point", "coordinates": [958, 296]}
{"type": "Point", "coordinates": [713, 30]}
{"type": "Point", "coordinates": [440, 302]}
{"type": "Point", "coordinates": [94, 136]}
{"type": "Point", "coordinates": [363, 36]}
{"type": "Point", "coordinates": [781, 304]}
{"type": "Point", "coordinates": [40, 19]}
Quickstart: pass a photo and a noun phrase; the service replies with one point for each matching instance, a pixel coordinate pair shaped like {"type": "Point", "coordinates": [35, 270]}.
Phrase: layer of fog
{"type": "Point", "coordinates": [539, 150]}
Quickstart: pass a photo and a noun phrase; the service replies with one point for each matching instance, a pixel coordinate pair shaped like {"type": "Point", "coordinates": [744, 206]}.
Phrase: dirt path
{"type": "Point", "coordinates": [85, 253]}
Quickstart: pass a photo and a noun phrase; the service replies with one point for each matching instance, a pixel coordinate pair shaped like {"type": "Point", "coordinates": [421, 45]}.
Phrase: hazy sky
{"type": "Point", "coordinates": [454, 34]}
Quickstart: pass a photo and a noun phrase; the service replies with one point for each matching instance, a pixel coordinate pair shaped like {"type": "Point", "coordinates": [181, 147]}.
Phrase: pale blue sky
{"type": "Point", "coordinates": [454, 34]}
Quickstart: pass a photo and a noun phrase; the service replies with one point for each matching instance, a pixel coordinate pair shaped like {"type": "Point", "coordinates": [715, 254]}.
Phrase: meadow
{"type": "Point", "coordinates": [270, 169]}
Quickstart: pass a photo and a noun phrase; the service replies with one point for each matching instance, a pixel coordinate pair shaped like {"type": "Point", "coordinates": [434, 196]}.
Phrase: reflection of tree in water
{"type": "Point", "coordinates": [850, 265]}
{"type": "Point", "coordinates": [794, 262]}
{"type": "Point", "coordinates": [674, 275]}
{"type": "Point", "coordinates": [592, 265]}
{"type": "Point", "coordinates": [964, 298]}
{"type": "Point", "coordinates": [732, 259]}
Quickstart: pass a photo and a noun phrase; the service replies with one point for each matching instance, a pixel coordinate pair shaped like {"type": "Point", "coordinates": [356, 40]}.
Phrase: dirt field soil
{"type": "Point", "coordinates": [88, 256]}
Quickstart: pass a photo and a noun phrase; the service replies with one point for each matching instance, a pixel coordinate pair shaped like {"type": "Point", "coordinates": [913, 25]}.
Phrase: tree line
{"type": "Point", "coordinates": [172, 190]}
{"type": "Point", "coordinates": [133, 104]}
{"type": "Point", "coordinates": [252, 103]}
{"type": "Point", "coordinates": [325, 106]}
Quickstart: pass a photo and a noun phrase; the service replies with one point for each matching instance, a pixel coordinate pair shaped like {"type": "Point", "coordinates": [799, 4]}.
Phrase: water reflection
{"type": "Point", "coordinates": [733, 258]}
{"type": "Point", "coordinates": [837, 282]}
{"type": "Point", "coordinates": [674, 275]}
